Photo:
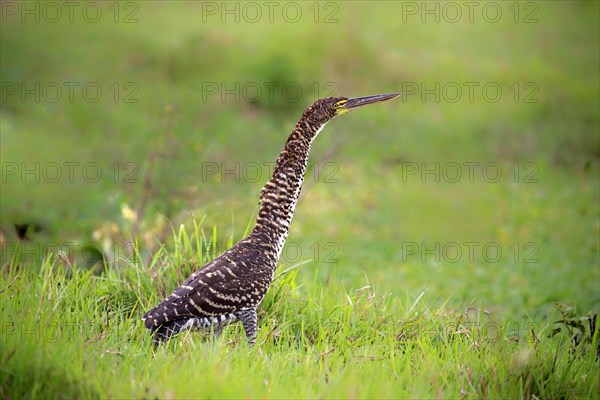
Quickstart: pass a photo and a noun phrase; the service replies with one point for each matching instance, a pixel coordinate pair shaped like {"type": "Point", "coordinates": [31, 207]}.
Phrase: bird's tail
{"type": "Point", "coordinates": [169, 329]}
{"type": "Point", "coordinates": [164, 332]}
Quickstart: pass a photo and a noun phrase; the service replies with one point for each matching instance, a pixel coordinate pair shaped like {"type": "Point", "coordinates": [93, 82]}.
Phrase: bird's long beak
{"type": "Point", "coordinates": [363, 101]}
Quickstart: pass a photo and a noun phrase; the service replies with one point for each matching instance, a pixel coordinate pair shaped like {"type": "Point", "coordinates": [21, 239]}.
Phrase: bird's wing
{"type": "Point", "coordinates": [195, 297]}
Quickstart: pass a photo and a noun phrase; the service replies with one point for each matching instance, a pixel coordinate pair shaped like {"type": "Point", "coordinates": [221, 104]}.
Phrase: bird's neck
{"type": "Point", "coordinates": [279, 196]}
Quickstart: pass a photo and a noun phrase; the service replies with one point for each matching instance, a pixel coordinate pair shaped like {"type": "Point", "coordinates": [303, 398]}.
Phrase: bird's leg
{"type": "Point", "coordinates": [248, 318]}
{"type": "Point", "coordinates": [218, 330]}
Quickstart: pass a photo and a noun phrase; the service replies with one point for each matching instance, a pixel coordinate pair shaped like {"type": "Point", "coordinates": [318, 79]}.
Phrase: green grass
{"type": "Point", "coordinates": [370, 307]}
{"type": "Point", "coordinates": [314, 341]}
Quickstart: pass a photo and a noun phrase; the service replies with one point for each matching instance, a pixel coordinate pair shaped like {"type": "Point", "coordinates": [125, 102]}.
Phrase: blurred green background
{"type": "Point", "coordinates": [125, 120]}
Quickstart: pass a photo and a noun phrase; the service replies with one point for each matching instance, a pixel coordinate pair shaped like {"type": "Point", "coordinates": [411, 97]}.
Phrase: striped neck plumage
{"type": "Point", "coordinates": [279, 196]}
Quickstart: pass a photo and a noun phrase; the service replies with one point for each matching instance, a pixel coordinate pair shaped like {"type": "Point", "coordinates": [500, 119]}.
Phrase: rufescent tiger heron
{"type": "Point", "coordinates": [230, 287]}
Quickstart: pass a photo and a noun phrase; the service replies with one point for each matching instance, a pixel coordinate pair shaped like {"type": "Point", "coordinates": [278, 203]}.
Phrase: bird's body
{"type": "Point", "coordinates": [230, 287]}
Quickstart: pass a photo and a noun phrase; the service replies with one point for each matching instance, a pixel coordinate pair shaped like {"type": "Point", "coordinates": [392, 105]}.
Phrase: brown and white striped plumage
{"type": "Point", "coordinates": [231, 286]}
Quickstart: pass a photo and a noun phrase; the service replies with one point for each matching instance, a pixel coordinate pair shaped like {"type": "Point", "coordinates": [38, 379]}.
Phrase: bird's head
{"type": "Point", "coordinates": [324, 110]}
